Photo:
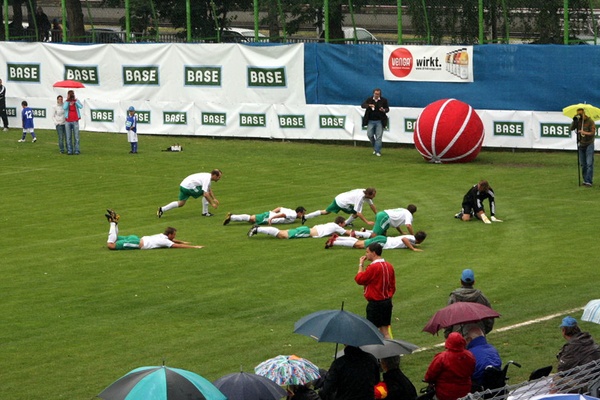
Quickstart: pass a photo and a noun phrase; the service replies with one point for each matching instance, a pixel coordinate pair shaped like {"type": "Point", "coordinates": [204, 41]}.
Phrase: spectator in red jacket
{"type": "Point", "coordinates": [450, 371]}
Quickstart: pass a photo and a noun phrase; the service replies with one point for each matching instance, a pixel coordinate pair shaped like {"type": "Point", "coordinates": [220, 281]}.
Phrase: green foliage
{"type": "Point", "coordinates": [77, 316]}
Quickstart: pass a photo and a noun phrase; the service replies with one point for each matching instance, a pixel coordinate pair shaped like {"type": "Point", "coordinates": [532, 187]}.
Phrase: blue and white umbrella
{"type": "Point", "coordinates": [288, 370]}
{"type": "Point", "coordinates": [591, 312]}
{"type": "Point", "coordinates": [161, 383]}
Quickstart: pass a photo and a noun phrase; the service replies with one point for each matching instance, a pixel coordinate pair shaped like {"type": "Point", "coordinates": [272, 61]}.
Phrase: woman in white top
{"type": "Point", "coordinates": [59, 120]}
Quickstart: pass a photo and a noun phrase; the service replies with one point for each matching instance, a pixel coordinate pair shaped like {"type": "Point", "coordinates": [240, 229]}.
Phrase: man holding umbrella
{"type": "Point", "coordinates": [586, 133]}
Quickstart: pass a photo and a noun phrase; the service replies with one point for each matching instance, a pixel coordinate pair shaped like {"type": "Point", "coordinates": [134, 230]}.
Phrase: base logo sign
{"type": "Point", "coordinates": [214, 118]}
{"type": "Point", "coordinates": [85, 74]}
{"type": "Point", "coordinates": [23, 72]}
{"type": "Point", "coordinates": [253, 120]}
{"type": "Point", "coordinates": [332, 121]}
{"type": "Point", "coordinates": [548, 130]}
{"type": "Point", "coordinates": [292, 121]}
{"type": "Point", "coordinates": [174, 118]}
{"type": "Point", "coordinates": [103, 115]}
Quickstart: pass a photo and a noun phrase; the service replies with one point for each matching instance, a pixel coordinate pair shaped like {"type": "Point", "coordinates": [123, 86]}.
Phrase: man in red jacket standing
{"type": "Point", "coordinates": [451, 370]}
{"type": "Point", "coordinates": [379, 281]}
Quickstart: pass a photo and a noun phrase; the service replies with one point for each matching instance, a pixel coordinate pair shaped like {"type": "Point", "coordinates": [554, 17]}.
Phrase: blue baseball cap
{"type": "Point", "coordinates": [131, 108]}
{"type": "Point", "coordinates": [568, 322]}
{"type": "Point", "coordinates": [467, 276]}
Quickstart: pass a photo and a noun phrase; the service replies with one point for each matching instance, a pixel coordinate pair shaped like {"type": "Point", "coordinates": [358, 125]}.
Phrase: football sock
{"type": "Point", "coordinates": [350, 220]}
{"type": "Point", "coordinates": [313, 214]}
{"type": "Point", "coordinates": [345, 241]}
{"type": "Point", "coordinates": [204, 206]}
{"type": "Point", "coordinates": [170, 206]}
{"type": "Point", "coordinates": [112, 233]}
{"type": "Point", "coordinates": [363, 235]}
{"type": "Point", "coordinates": [269, 230]}
{"type": "Point", "coordinates": [240, 217]}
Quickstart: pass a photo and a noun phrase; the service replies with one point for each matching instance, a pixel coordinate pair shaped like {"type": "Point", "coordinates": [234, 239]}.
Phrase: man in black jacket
{"type": "Point", "coordinates": [3, 106]}
{"type": "Point", "coordinates": [375, 119]}
{"type": "Point", "coordinates": [351, 377]}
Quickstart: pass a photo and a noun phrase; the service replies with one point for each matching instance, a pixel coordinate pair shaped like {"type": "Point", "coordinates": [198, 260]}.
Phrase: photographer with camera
{"type": "Point", "coordinates": [375, 119]}
{"type": "Point", "coordinates": [72, 117]}
{"type": "Point", "coordinates": [586, 133]}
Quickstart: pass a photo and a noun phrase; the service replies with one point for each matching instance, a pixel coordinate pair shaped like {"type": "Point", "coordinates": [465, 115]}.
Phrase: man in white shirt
{"type": "Point", "coordinates": [388, 242]}
{"type": "Point", "coordinates": [351, 203]}
{"type": "Point", "coordinates": [279, 215]}
{"type": "Point", "coordinates": [317, 231]}
{"type": "Point", "coordinates": [196, 185]}
{"type": "Point", "coordinates": [133, 242]}
{"type": "Point", "coordinates": [394, 218]}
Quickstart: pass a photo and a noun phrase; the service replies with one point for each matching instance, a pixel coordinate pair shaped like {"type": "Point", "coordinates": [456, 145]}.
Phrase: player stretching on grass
{"type": "Point", "coordinates": [317, 231]}
{"type": "Point", "coordinates": [279, 215]}
{"type": "Point", "coordinates": [132, 242]}
{"type": "Point", "coordinates": [351, 203]}
{"type": "Point", "coordinates": [394, 242]}
{"type": "Point", "coordinates": [196, 185]}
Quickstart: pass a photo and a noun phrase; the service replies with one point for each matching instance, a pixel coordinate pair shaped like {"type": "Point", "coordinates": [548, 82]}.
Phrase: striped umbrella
{"type": "Point", "coordinates": [591, 312]}
{"type": "Point", "coordinates": [161, 383]}
{"type": "Point", "coordinates": [288, 370]}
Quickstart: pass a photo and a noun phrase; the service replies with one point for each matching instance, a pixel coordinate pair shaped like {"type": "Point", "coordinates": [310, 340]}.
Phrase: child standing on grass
{"type": "Point", "coordinates": [131, 126]}
{"type": "Point", "coordinates": [27, 117]}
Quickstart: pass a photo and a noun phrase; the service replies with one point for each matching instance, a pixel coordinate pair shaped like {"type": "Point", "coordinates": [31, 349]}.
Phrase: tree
{"type": "Point", "coordinates": [75, 21]}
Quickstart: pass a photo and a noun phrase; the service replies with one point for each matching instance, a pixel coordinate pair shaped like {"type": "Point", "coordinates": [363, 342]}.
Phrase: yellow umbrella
{"type": "Point", "coordinates": [590, 110]}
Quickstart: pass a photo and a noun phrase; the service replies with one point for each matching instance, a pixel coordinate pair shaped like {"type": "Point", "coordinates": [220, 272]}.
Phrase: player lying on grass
{"type": "Point", "coordinates": [317, 231]}
{"type": "Point", "coordinates": [132, 242]}
{"type": "Point", "coordinates": [279, 215]}
{"type": "Point", "coordinates": [394, 242]}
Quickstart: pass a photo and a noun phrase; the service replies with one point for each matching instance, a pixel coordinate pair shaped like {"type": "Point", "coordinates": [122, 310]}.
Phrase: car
{"type": "Point", "coordinates": [240, 35]}
{"type": "Point", "coordinates": [362, 35]}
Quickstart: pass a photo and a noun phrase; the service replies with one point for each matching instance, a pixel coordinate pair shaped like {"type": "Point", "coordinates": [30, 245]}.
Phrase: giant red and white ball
{"type": "Point", "coordinates": [448, 131]}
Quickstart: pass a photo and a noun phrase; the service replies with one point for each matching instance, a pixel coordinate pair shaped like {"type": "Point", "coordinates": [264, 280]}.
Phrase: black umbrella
{"type": "Point", "coordinates": [243, 386]}
{"type": "Point", "coordinates": [390, 348]}
{"type": "Point", "coordinates": [339, 326]}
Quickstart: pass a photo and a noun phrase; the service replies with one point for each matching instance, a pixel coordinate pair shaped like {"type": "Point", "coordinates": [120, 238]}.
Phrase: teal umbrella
{"type": "Point", "coordinates": [161, 383]}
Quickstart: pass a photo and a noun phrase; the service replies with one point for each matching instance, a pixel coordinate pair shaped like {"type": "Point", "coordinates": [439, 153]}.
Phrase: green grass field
{"type": "Point", "coordinates": [76, 316]}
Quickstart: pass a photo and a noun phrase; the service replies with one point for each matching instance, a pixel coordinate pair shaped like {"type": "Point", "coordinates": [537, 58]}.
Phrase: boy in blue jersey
{"type": "Point", "coordinates": [27, 117]}
{"type": "Point", "coordinates": [131, 127]}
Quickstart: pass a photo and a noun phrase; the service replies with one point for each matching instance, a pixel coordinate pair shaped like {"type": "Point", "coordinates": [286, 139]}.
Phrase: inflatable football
{"type": "Point", "coordinates": [448, 131]}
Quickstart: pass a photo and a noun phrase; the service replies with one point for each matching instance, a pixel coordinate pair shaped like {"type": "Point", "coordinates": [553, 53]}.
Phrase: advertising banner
{"type": "Point", "coordinates": [428, 63]}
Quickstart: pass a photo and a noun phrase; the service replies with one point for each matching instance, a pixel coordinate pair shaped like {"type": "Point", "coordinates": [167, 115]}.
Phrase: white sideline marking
{"type": "Point", "coordinates": [515, 326]}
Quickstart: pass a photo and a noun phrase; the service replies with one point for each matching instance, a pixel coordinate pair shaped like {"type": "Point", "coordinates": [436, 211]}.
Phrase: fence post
{"type": "Point", "coordinates": [188, 20]}
{"type": "Point", "coordinates": [399, 21]}
{"type": "Point", "coordinates": [481, 22]}
{"type": "Point", "coordinates": [566, 21]}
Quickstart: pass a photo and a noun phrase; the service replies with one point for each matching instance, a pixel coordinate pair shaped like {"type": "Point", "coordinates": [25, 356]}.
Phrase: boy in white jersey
{"type": "Point", "coordinates": [317, 231]}
{"type": "Point", "coordinates": [351, 203]}
{"type": "Point", "coordinates": [279, 215]}
{"type": "Point", "coordinates": [388, 242]}
{"type": "Point", "coordinates": [196, 185]}
{"type": "Point", "coordinates": [133, 242]}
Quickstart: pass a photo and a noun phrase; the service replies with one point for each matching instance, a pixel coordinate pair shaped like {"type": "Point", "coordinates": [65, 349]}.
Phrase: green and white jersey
{"type": "Point", "coordinates": [197, 182]}
{"type": "Point", "coordinates": [328, 229]}
{"type": "Point", "coordinates": [290, 216]}
{"type": "Point", "coordinates": [156, 241]}
{"type": "Point", "coordinates": [395, 242]}
{"type": "Point", "coordinates": [352, 200]}
{"type": "Point", "coordinates": [399, 216]}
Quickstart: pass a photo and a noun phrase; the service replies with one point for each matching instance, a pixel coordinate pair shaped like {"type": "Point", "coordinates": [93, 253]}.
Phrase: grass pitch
{"type": "Point", "coordinates": [77, 316]}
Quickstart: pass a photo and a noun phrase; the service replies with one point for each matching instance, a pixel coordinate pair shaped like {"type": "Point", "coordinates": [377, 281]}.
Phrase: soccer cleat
{"type": "Point", "coordinates": [207, 214]}
{"type": "Point", "coordinates": [363, 229]}
{"type": "Point", "coordinates": [253, 231]}
{"type": "Point", "coordinates": [303, 219]}
{"type": "Point", "coordinates": [159, 212]}
{"type": "Point", "coordinates": [113, 215]}
{"type": "Point", "coordinates": [21, 140]}
{"type": "Point", "coordinates": [331, 240]}
{"type": "Point", "coordinates": [458, 215]}
{"type": "Point", "coordinates": [34, 140]}
{"type": "Point", "coordinates": [227, 219]}
{"type": "Point", "coordinates": [109, 217]}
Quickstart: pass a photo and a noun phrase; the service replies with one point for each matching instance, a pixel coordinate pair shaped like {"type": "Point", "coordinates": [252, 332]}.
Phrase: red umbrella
{"type": "Point", "coordinates": [458, 313]}
{"type": "Point", "coordinates": [69, 84]}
